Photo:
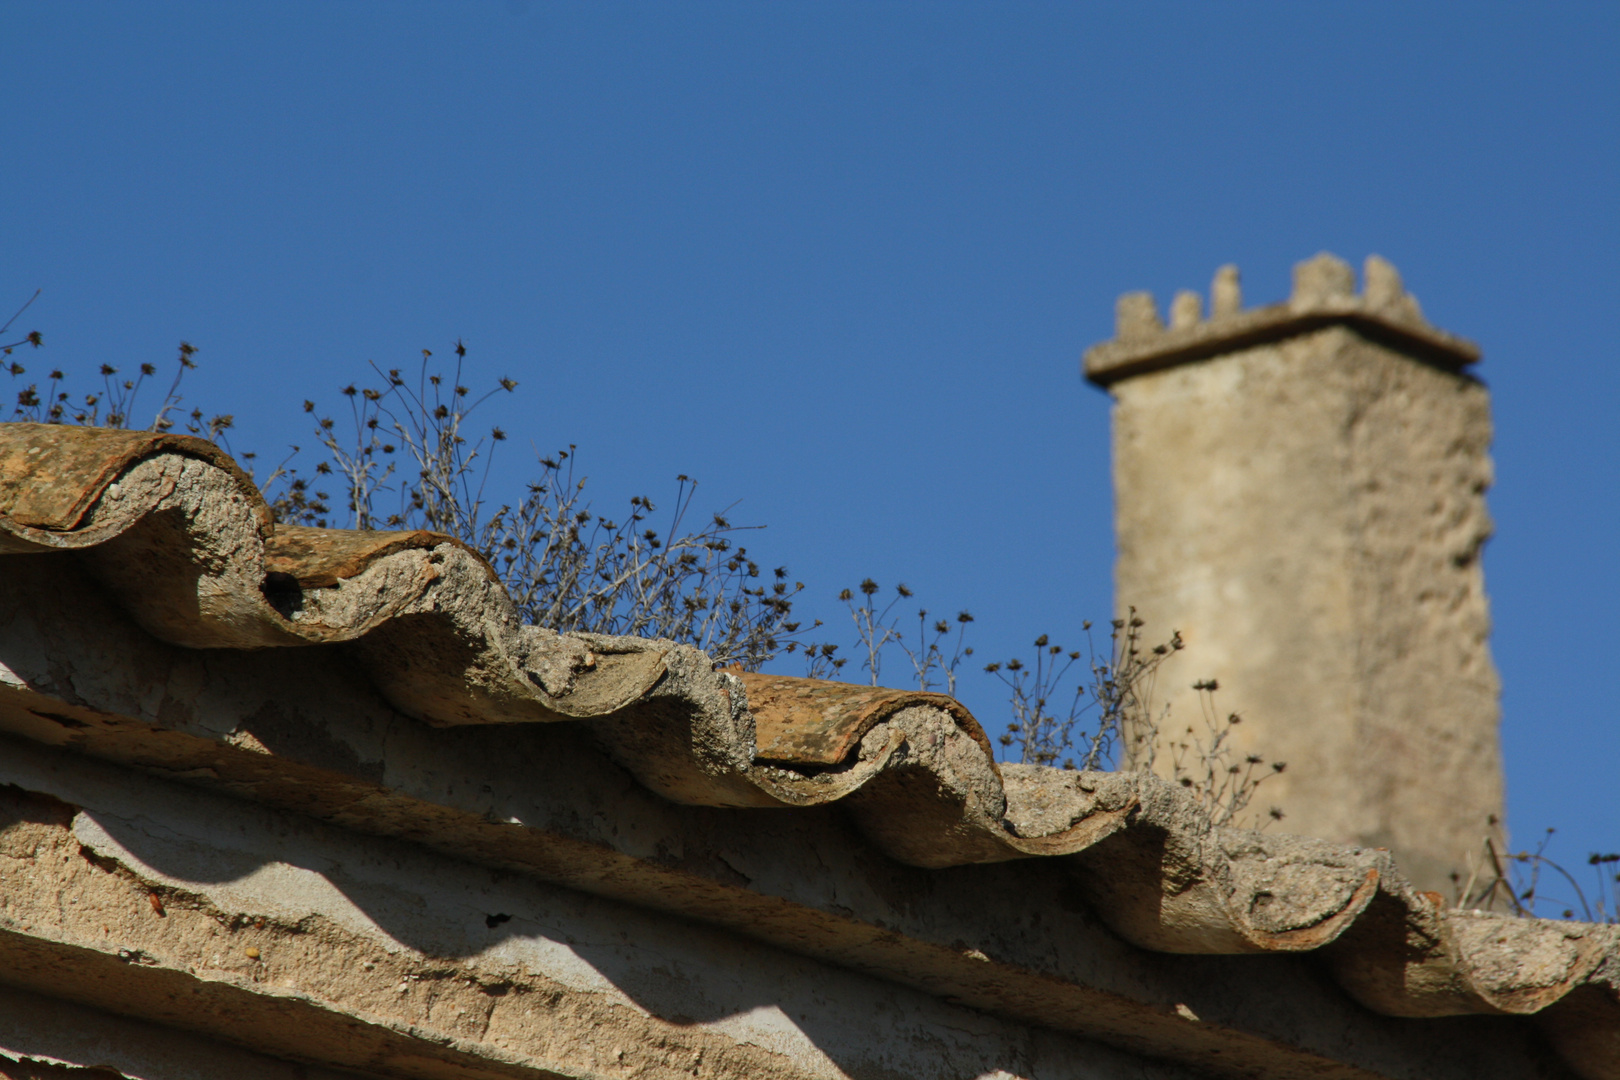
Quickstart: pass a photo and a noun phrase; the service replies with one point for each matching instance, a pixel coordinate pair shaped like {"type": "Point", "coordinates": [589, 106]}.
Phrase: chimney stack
{"type": "Point", "coordinates": [1300, 491]}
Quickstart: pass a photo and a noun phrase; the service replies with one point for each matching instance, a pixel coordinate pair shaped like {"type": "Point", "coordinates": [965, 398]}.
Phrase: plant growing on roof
{"type": "Point", "coordinates": [410, 443]}
{"type": "Point", "coordinates": [877, 629]}
{"type": "Point", "coordinates": [410, 459]}
{"type": "Point", "coordinates": [1513, 881]}
{"type": "Point", "coordinates": [1118, 697]}
{"type": "Point", "coordinates": [112, 405]}
{"type": "Point", "coordinates": [1120, 692]}
{"type": "Point", "coordinates": [1207, 764]}
{"type": "Point", "coordinates": [31, 338]}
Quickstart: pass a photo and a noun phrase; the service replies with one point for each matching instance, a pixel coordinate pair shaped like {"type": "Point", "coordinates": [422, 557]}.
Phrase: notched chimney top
{"type": "Point", "coordinates": [1324, 294]}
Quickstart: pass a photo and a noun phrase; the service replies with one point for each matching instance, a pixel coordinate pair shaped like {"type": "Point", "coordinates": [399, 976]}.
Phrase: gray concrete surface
{"type": "Point", "coordinates": [253, 926]}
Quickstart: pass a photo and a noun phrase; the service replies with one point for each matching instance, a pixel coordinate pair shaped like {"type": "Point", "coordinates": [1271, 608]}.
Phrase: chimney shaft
{"type": "Point", "coordinates": [1299, 490]}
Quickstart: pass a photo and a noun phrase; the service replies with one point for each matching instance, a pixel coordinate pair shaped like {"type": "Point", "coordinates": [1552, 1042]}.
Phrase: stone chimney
{"type": "Point", "coordinates": [1300, 491]}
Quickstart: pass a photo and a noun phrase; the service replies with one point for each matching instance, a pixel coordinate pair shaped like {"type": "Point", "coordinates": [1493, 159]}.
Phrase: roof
{"type": "Point", "coordinates": [178, 537]}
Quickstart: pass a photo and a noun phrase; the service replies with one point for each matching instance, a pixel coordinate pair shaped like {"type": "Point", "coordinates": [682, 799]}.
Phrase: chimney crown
{"type": "Point", "coordinates": [1324, 293]}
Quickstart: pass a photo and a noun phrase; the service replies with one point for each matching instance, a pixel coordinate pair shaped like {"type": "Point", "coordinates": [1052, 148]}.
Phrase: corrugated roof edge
{"type": "Point", "coordinates": [182, 538]}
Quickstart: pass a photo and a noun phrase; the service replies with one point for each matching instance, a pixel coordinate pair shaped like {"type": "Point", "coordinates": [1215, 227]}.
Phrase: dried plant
{"type": "Point", "coordinates": [571, 570]}
{"type": "Point", "coordinates": [1042, 735]}
{"type": "Point", "coordinates": [1080, 725]}
{"type": "Point", "coordinates": [1208, 766]}
{"type": "Point", "coordinates": [928, 659]}
{"type": "Point", "coordinates": [821, 660]}
{"type": "Point", "coordinates": [409, 458]}
{"type": "Point", "coordinates": [32, 338]}
{"type": "Point", "coordinates": [876, 630]}
{"type": "Point", "coordinates": [1122, 689]}
{"type": "Point", "coordinates": [112, 404]}
{"type": "Point", "coordinates": [1119, 694]}
{"type": "Point", "coordinates": [1512, 881]}
{"type": "Point", "coordinates": [1119, 697]}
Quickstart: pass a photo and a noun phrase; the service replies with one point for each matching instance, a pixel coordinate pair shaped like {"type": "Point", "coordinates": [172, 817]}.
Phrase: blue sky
{"type": "Point", "coordinates": [839, 261]}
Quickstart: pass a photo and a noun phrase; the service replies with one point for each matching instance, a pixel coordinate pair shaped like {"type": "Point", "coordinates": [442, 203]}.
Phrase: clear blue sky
{"type": "Point", "coordinates": [839, 260]}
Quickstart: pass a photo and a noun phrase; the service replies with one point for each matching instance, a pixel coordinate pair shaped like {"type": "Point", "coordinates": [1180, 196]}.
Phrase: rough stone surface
{"type": "Point", "coordinates": [1226, 292]}
{"type": "Point", "coordinates": [1322, 278]}
{"type": "Point", "coordinates": [1136, 317]}
{"type": "Point", "coordinates": [1187, 309]}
